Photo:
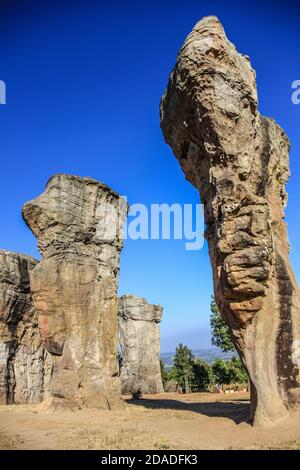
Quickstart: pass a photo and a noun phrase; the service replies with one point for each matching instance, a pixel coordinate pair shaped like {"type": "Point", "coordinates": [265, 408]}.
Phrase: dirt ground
{"type": "Point", "coordinates": [164, 421]}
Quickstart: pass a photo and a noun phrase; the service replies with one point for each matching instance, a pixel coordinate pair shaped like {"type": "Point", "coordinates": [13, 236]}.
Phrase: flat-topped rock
{"type": "Point", "coordinates": [75, 214]}
{"type": "Point", "coordinates": [140, 344]}
{"type": "Point", "coordinates": [137, 308]}
{"type": "Point", "coordinates": [74, 287]}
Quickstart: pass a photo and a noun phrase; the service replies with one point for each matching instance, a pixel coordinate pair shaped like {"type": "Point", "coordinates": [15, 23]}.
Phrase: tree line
{"type": "Point", "coordinates": [196, 375]}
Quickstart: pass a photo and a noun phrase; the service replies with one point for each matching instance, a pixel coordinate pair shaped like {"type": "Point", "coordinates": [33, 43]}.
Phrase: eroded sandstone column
{"type": "Point", "coordinates": [22, 355]}
{"type": "Point", "coordinates": [74, 287]}
{"type": "Point", "coordinates": [139, 332]}
{"type": "Point", "coordinates": [239, 162]}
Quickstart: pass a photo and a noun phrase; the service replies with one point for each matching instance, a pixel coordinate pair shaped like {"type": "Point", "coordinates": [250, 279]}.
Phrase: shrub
{"type": "Point", "coordinates": [203, 376]}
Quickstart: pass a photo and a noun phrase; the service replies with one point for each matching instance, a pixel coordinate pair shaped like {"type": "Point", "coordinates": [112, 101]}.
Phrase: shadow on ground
{"type": "Point", "coordinates": [237, 411]}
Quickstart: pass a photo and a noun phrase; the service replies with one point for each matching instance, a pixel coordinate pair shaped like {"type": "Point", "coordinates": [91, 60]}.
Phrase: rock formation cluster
{"type": "Point", "coordinates": [24, 369]}
{"type": "Point", "coordinates": [59, 316]}
{"type": "Point", "coordinates": [239, 162]}
{"type": "Point", "coordinates": [74, 288]}
{"type": "Point", "coordinates": [139, 330]}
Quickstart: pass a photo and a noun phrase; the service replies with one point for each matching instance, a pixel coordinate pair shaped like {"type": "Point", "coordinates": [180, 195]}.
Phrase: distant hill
{"type": "Point", "coordinates": [209, 355]}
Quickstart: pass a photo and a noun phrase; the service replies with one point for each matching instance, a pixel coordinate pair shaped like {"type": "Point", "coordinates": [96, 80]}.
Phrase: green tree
{"type": "Point", "coordinates": [203, 376]}
{"type": "Point", "coordinates": [219, 330]}
{"type": "Point", "coordinates": [225, 372]}
{"type": "Point", "coordinates": [183, 367]}
{"type": "Point", "coordinates": [238, 371]}
{"type": "Point", "coordinates": [165, 375]}
{"type": "Point", "coordinates": [221, 371]}
{"type": "Point", "coordinates": [229, 372]}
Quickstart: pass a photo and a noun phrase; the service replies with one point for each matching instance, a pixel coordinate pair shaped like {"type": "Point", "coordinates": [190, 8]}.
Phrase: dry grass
{"type": "Point", "coordinates": [165, 421]}
{"type": "Point", "coordinates": [277, 445]}
{"type": "Point", "coordinates": [123, 439]}
{"type": "Point", "coordinates": [281, 445]}
{"type": "Point", "coordinates": [159, 412]}
{"type": "Point", "coordinates": [10, 442]}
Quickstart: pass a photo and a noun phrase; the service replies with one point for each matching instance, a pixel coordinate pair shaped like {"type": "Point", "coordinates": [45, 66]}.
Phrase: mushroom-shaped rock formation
{"type": "Point", "coordinates": [78, 222]}
{"type": "Point", "coordinates": [239, 162]}
{"type": "Point", "coordinates": [23, 369]}
{"type": "Point", "coordinates": [140, 345]}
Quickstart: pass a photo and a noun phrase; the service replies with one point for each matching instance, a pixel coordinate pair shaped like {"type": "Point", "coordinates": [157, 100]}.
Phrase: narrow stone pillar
{"type": "Point", "coordinates": [139, 332]}
{"type": "Point", "coordinates": [239, 162]}
{"type": "Point", "coordinates": [74, 287]}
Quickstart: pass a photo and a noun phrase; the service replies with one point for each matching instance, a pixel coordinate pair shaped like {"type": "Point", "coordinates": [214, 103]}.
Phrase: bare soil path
{"type": "Point", "coordinates": [164, 421]}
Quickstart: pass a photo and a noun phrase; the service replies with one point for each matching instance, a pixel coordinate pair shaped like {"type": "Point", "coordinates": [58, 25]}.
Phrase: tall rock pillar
{"type": "Point", "coordinates": [239, 162]}
{"type": "Point", "coordinates": [74, 287]}
{"type": "Point", "coordinates": [139, 332]}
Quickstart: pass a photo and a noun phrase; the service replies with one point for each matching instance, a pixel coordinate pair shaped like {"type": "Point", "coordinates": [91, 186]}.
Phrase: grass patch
{"type": "Point", "coordinates": [123, 439]}
{"type": "Point", "coordinates": [10, 442]}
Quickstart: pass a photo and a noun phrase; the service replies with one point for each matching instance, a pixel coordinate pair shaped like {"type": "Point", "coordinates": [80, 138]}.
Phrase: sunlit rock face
{"type": "Point", "coordinates": [139, 325]}
{"type": "Point", "coordinates": [74, 287]}
{"type": "Point", "coordinates": [239, 162]}
{"type": "Point", "coordinates": [24, 368]}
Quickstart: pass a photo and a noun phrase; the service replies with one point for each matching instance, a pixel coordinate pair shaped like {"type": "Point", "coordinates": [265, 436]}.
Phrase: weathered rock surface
{"type": "Point", "coordinates": [239, 162]}
{"type": "Point", "coordinates": [74, 287]}
{"type": "Point", "coordinates": [171, 386]}
{"type": "Point", "coordinates": [22, 355]}
{"type": "Point", "coordinates": [140, 344]}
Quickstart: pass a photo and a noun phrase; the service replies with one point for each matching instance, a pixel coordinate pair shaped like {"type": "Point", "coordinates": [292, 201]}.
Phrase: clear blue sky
{"type": "Point", "coordinates": [84, 80]}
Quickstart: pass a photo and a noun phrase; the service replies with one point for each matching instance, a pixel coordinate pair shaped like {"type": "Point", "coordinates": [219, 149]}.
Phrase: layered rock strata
{"type": "Point", "coordinates": [139, 330]}
{"type": "Point", "coordinates": [24, 369]}
{"type": "Point", "coordinates": [77, 222]}
{"type": "Point", "coordinates": [239, 162]}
